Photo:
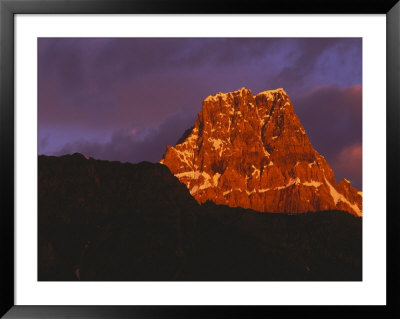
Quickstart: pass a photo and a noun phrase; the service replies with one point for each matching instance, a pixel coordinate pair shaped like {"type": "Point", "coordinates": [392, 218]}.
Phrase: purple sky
{"type": "Point", "coordinates": [126, 99]}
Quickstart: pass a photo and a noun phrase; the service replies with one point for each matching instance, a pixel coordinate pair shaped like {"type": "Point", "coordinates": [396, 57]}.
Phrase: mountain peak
{"type": "Point", "coordinates": [252, 151]}
{"type": "Point", "coordinates": [224, 96]}
{"type": "Point", "coordinates": [273, 92]}
{"type": "Point", "coordinates": [79, 156]}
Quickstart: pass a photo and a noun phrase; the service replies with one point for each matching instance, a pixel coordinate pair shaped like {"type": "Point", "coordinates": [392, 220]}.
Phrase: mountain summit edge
{"type": "Point", "coordinates": [252, 152]}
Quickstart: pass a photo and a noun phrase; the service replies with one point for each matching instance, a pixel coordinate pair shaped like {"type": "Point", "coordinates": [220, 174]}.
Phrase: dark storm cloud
{"type": "Point", "coordinates": [348, 164]}
{"type": "Point", "coordinates": [332, 118]}
{"type": "Point", "coordinates": [313, 58]}
{"type": "Point", "coordinates": [228, 52]}
{"type": "Point", "coordinates": [93, 92]}
{"type": "Point", "coordinates": [305, 59]}
{"type": "Point", "coordinates": [105, 61]}
{"type": "Point", "coordinates": [105, 83]}
{"type": "Point", "coordinates": [136, 144]}
{"type": "Point", "coordinates": [43, 143]}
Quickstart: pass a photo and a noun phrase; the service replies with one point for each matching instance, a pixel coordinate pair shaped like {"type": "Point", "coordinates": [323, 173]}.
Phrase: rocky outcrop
{"type": "Point", "coordinates": [252, 152]}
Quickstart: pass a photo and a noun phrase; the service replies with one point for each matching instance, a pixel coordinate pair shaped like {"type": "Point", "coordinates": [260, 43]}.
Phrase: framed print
{"type": "Point", "coordinates": [160, 155]}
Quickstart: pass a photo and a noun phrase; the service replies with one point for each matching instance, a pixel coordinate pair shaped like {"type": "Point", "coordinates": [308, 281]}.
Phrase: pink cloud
{"type": "Point", "coordinates": [132, 132]}
{"type": "Point", "coordinates": [349, 161]}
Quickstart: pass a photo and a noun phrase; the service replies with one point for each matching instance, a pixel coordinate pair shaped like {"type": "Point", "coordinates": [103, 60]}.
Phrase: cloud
{"type": "Point", "coordinates": [316, 59]}
{"type": "Point", "coordinates": [43, 142]}
{"type": "Point", "coordinates": [348, 164]}
{"type": "Point", "coordinates": [109, 83]}
{"type": "Point", "coordinates": [135, 144]}
{"type": "Point", "coordinates": [133, 87]}
{"type": "Point", "coordinates": [332, 117]}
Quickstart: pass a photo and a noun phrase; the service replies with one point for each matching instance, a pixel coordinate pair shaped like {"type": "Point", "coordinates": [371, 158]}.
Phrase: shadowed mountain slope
{"type": "Point", "coordinates": [100, 220]}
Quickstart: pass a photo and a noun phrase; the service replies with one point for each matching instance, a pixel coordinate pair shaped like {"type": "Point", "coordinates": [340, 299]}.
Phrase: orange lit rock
{"type": "Point", "coordinates": [252, 151]}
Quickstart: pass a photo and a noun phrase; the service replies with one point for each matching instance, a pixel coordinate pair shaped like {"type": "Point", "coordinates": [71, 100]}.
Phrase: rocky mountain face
{"type": "Point", "coordinates": [252, 152]}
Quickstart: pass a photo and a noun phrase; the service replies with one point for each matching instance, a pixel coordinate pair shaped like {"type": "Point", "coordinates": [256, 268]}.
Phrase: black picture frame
{"type": "Point", "coordinates": [8, 10]}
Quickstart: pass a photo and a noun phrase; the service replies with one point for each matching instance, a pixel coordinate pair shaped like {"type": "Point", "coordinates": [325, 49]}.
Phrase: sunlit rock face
{"type": "Point", "coordinates": [252, 152]}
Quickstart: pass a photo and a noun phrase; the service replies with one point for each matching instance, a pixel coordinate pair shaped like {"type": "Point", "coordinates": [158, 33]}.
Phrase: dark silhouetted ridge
{"type": "Point", "coordinates": [101, 220]}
